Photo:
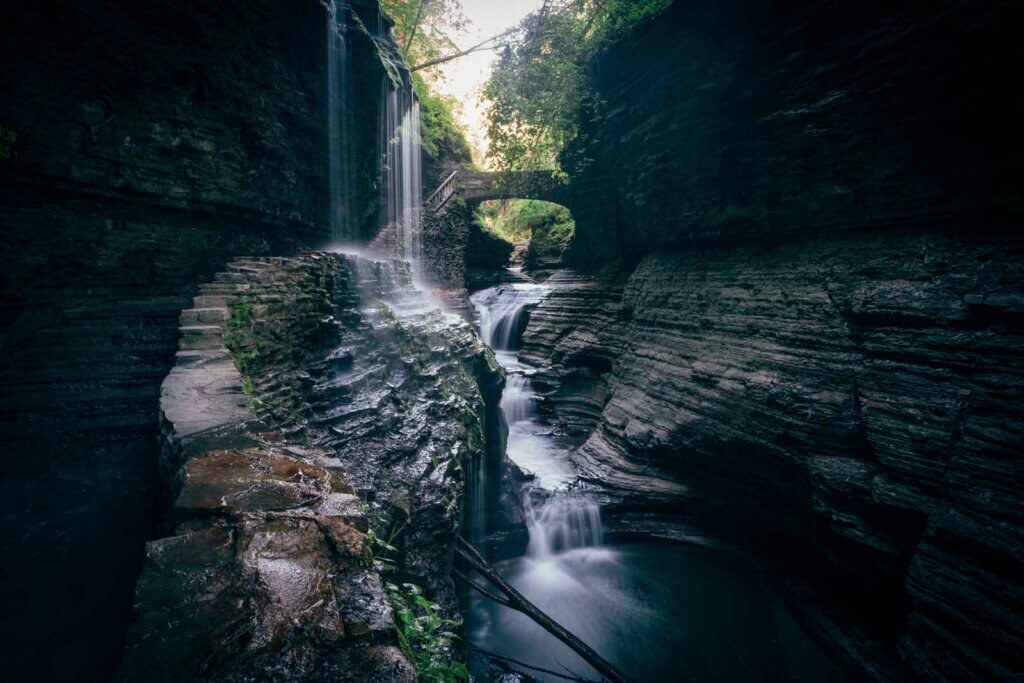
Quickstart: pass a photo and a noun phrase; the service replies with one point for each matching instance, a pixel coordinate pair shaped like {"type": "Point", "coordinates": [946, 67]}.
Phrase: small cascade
{"type": "Point", "coordinates": [518, 402]}
{"type": "Point", "coordinates": [401, 184]}
{"type": "Point", "coordinates": [339, 126]}
{"type": "Point", "coordinates": [565, 521]}
{"type": "Point", "coordinates": [504, 312]}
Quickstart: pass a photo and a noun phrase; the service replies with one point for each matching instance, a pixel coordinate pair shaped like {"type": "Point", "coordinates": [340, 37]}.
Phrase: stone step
{"type": "Point", "coordinates": [231, 277]}
{"type": "Point", "coordinates": [200, 316]}
{"type": "Point", "coordinates": [248, 267]}
{"type": "Point", "coordinates": [223, 288]}
{"type": "Point", "coordinates": [200, 337]}
{"type": "Point", "coordinates": [212, 300]}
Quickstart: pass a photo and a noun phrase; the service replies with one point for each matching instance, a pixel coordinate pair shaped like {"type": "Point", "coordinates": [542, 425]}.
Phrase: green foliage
{"type": "Point", "coordinates": [539, 83]}
{"type": "Point", "coordinates": [424, 28]}
{"type": "Point", "coordinates": [425, 635]}
{"type": "Point", "coordinates": [240, 339]}
{"type": "Point", "coordinates": [543, 224]}
{"type": "Point", "coordinates": [438, 130]}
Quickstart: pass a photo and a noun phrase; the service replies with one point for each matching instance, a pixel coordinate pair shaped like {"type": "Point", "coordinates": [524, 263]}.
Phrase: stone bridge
{"type": "Point", "coordinates": [478, 186]}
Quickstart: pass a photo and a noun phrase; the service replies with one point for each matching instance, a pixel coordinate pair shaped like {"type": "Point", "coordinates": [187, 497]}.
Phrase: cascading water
{"type": "Point", "coordinates": [339, 126]}
{"type": "Point", "coordinates": [563, 522]}
{"type": "Point", "coordinates": [659, 612]}
{"type": "Point", "coordinates": [504, 312]}
{"type": "Point", "coordinates": [402, 172]}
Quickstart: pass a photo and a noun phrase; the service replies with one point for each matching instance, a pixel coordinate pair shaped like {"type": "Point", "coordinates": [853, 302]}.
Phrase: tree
{"type": "Point", "coordinates": [424, 28]}
{"type": "Point", "coordinates": [538, 84]}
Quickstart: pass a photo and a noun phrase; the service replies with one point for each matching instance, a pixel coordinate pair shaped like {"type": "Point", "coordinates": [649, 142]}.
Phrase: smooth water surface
{"type": "Point", "coordinates": [659, 612]}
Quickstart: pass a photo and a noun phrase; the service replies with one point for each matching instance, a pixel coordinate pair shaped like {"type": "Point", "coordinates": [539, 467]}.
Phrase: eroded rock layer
{"type": "Point", "coordinates": [359, 406]}
{"type": "Point", "coordinates": [846, 405]}
{"type": "Point", "coordinates": [152, 143]}
{"type": "Point", "coordinates": [346, 354]}
{"type": "Point", "coordinates": [746, 117]}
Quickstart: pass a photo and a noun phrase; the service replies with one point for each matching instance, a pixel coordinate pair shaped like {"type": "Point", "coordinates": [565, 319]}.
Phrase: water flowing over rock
{"type": "Point", "coordinates": [617, 598]}
{"type": "Point", "coordinates": [561, 523]}
{"type": "Point", "coordinates": [838, 396]}
{"type": "Point", "coordinates": [401, 190]}
{"type": "Point", "coordinates": [504, 311]}
{"type": "Point", "coordinates": [367, 405]}
{"type": "Point", "coordinates": [155, 143]}
{"type": "Point", "coordinates": [340, 127]}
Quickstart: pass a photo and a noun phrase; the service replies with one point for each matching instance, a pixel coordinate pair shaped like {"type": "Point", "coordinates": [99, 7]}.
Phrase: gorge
{"type": "Point", "coordinates": [761, 419]}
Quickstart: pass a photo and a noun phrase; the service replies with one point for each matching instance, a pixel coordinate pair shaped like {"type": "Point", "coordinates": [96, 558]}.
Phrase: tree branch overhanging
{"type": "Point", "coordinates": [415, 25]}
{"type": "Point", "coordinates": [483, 45]}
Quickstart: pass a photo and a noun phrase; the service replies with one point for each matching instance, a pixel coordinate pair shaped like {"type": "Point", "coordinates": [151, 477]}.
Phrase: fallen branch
{"type": "Point", "coordinates": [570, 677]}
{"type": "Point", "coordinates": [516, 601]}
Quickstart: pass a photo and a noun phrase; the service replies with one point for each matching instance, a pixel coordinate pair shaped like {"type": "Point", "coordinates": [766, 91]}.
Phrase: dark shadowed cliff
{"type": "Point", "coordinates": [154, 141]}
{"type": "Point", "coordinates": [813, 347]}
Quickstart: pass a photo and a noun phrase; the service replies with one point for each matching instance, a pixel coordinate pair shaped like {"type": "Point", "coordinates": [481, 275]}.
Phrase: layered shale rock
{"type": "Point", "coordinates": [813, 345]}
{"type": "Point", "coordinates": [851, 398]}
{"type": "Point", "coordinates": [346, 354]}
{"type": "Point", "coordinates": [153, 143]}
{"type": "Point", "coordinates": [745, 117]}
{"type": "Point", "coordinates": [359, 404]}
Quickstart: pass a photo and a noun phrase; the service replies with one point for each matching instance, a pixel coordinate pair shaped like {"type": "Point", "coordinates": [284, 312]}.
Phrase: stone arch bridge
{"type": "Point", "coordinates": [478, 186]}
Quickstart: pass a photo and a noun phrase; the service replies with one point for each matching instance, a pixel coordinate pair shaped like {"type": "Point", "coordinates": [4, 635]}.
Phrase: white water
{"type": "Point", "coordinates": [659, 612]}
{"type": "Point", "coordinates": [504, 310]}
{"type": "Point", "coordinates": [401, 184]}
{"type": "Point", "coordinates": [558, 519]}
{"type": "Point", "coordinates": [565, 521]}
{"type": "Point", "coordinates": [339, 126]}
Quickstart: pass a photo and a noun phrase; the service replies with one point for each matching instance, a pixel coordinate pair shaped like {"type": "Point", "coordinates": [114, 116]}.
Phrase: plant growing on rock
{"type": "Point", "coordinates": [425, 635]}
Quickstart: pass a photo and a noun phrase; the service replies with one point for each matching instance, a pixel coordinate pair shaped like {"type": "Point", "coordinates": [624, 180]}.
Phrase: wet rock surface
{"type": "Point", "coordinates": [358, 361]}
{"type": "Point", "coordinates": [848, 407]}
{"type": "Point", "coordinates": [358, 406]}
{"type": "Point", "coordinates": [155, 143]}
{"type": "Point", "coordinates": [268, 572]}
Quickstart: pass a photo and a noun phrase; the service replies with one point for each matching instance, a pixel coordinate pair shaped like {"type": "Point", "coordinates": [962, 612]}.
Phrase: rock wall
{"type": "Point", "coordinates": [798, 329]}
{"type": "Point", "coordinates": [267, 573]}
{"type": "Point", "coordinates": [345, 354]}
{"type": "Point", "coordinates": [151, 143]}
{"type": "Point", "coordinates": [736, 118]}
{"type": "Point", "coordinates": [850, 404]}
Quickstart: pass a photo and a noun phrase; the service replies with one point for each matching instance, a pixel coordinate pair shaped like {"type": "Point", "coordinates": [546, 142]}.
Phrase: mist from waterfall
{"type": "Point", "coordinates": [401, 189]}
{"type": "Point", "coordinates": [339, 126]}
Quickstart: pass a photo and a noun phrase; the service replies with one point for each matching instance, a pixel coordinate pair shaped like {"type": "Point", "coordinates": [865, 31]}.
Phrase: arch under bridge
{"type": "Point", "coordinates": [479, 186]}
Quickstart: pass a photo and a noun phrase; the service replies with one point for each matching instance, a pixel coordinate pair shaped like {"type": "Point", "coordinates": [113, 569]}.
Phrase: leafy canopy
{"type": "Point", "coordinates": [539, 82]}
{"type": "Point", "coordinates": [424, 28]}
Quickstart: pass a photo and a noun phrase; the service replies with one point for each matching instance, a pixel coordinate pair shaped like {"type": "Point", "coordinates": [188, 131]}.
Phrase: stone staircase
{"type": "Point", "coordinates": [204, 390]}
{"type": "Point", "coordinates": [202, 326]}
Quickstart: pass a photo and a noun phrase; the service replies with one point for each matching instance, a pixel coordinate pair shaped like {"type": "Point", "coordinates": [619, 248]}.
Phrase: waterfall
{"type": "Point", "coordinates": [562, 522]}
{"type": "Point", "coordinates": [401, 173]}
{"type": "Point", "coordinates": [518, 402]}
{"type": "Point", "coordinates": [504, 312]}
{"type": "Point", "coordinates": [339, 127]}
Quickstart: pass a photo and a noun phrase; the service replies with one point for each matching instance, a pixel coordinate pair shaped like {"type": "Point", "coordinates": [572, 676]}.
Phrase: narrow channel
{"type": "Point", "coordinates": [659, 611]}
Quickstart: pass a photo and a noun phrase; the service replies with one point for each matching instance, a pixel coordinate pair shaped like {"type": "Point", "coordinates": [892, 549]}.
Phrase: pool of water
{"type": "Point", "coordinates": [659, 612]}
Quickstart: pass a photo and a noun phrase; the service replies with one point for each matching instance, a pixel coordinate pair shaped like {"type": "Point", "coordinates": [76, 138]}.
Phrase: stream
{"type": "Point", "coordinates": [658, 611]}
